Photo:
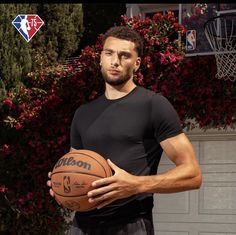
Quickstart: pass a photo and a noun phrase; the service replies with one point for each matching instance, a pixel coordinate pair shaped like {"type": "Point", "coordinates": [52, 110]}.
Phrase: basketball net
{"type": "Point", "coordinates": [221, 34]}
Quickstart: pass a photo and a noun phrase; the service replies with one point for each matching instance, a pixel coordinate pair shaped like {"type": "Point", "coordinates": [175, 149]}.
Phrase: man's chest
{"type": "Point", "coordinates": [118, 122]}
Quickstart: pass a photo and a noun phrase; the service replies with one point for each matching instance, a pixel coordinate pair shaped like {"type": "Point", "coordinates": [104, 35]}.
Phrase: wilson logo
{"type": "Point", "coordinates": [72, 162]}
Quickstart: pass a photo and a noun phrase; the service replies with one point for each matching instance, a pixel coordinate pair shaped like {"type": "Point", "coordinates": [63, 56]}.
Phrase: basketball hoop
{"type": "Point", "coordinates": [221, 34]}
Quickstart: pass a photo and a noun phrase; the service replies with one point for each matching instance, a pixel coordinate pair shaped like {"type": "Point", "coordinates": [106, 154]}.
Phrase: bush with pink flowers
{"type": "Point", "coordinates": [35, 119]}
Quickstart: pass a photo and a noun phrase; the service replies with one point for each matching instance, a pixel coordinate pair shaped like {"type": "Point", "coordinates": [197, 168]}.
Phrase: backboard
{"type": "Point", "coordinates": [193, 17]}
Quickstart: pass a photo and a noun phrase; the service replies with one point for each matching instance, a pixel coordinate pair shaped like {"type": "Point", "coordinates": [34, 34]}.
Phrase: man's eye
{"type": "Point", "coordinates": [125, 56]}
{"type": "Point", "coordinates": [108, 53]}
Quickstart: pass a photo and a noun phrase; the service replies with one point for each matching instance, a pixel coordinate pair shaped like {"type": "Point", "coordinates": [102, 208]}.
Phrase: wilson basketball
{"type": "Point", "coordinates": [73, 175]}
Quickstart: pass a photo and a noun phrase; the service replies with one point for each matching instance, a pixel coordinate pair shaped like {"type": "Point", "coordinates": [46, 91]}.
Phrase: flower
{"type": "Point", "coordinates": [8, 102]}
{"type": "Point", "coordinates": [3, 189]}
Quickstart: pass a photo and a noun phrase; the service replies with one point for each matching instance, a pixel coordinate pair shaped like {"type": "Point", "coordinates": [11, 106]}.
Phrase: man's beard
{"type": "Point", "coordinates": [118, 81]}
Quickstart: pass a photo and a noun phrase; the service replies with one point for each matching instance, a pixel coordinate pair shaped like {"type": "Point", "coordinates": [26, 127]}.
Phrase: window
{"type": "Point", "coordinates": [150, 14]}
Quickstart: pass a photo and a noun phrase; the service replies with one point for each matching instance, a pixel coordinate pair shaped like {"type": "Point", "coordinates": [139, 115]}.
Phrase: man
{"type": "Point", "coordinates": [131, 127]}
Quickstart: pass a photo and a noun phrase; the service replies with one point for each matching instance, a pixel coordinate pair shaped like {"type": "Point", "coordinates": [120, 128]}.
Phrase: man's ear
{"type": "Point", "coordinates": [137, 64]}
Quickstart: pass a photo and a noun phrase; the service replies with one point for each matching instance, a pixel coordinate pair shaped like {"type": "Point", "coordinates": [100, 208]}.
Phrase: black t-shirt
{"type": "Point", "coordinates": [127, 130]}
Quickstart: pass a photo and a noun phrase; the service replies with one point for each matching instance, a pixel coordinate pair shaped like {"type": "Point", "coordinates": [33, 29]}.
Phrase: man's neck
{"type": "Point", "coordinates": [116, 92]}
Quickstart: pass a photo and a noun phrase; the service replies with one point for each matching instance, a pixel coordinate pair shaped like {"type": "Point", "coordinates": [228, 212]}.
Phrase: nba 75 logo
{"type": "Point", "coordinates": [27, 25]}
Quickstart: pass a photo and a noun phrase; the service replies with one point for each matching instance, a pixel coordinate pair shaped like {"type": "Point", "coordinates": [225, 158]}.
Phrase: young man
{"type": "Point", "coordinates": [131, 127]}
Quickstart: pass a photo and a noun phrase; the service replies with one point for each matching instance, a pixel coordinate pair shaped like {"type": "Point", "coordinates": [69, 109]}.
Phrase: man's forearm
{"type": "Point", "coordinates": [179, 179]}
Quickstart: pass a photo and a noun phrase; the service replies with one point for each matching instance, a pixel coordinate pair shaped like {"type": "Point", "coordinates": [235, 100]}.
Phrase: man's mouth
{"type": "Point", "coordinates": [113, 71]}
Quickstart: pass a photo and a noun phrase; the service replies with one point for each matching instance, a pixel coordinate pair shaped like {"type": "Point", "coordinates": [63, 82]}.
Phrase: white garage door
{"type": "Point", "coordinates": [211, 210]}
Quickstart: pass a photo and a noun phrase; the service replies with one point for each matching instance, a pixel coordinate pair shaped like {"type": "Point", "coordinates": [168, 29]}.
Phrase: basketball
{"type": "Point", "coordinates": [73, 175]}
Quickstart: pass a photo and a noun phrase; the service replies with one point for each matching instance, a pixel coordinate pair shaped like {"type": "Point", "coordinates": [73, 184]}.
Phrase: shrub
{"type": "Point", "coordinates": [56, 40]}
{"type": "Point", "coordinates": [35, 118]}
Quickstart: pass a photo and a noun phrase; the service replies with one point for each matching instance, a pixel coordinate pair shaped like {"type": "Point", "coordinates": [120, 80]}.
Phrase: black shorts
{"type": "Point", "coordinates": [138, 226]}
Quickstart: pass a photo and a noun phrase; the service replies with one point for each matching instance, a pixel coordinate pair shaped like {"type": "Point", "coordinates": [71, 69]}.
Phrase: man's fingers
{"type": "Point", "coordinates": [51, 193]}
{"type": "Point", "coordinates": [103, 197]}
{"type": "Point", "coordinates": [101, 190]}
{"type": "Point", "coordinates": [103, 182]}
{"type": "Point", "coordinates": [49, 183]}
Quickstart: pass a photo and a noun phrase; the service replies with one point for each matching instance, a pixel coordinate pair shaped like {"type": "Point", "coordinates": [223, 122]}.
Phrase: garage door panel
{"type": "Point", "coordinates": [218, 198]}
{"type": "Point", "coordinates": [205, 233]}
{"type": "Point", "coordinates": [220, 168]}
{"type": "Point", "coordinates": [180, 204]}
{"type": "Point", "coordinates": [195, 228]}
{"type": "Point", "coordinates": [172, 233]}
{"type": "Point", "coordinates": [211, 210]}
{"type": "Point", "coordinates": [220, 177]}
{"type": "Point", "coordinates": [212, 152]}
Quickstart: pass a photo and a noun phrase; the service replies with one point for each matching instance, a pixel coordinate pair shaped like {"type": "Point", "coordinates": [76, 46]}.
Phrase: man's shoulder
{"type": "Point", "coordinates": [90, 104]}
{"type": "Point", "coordinates": [151, 94]}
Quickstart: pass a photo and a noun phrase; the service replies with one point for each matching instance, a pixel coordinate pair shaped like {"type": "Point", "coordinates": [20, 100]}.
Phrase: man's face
{"type": "Point", "coordinates": [119, 60]}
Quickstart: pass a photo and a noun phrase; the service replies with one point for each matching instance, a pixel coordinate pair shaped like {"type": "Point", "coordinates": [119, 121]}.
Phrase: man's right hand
{"type": "Point", "coordinates": [49, 183]}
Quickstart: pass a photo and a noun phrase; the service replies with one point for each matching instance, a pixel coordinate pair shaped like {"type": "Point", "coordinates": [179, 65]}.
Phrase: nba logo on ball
{"type": "Point", "coordinates": [191, 40]}
{"type": "Point", "coordinates": [27, 25]}
{"type": "Point", "coordinates": [66, 184]}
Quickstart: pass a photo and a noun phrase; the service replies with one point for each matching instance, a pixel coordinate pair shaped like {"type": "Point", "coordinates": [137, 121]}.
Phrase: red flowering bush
{"type": "Point", "coordinates": [162, 51]}
{"type": "Point", "coordinates": [35, 118]}
{"type": "Point", "coordinates": [189, 83]}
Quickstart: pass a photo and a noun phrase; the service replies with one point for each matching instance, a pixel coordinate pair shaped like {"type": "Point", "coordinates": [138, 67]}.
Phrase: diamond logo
{"type": "Point", "coordinates": [28, 25]}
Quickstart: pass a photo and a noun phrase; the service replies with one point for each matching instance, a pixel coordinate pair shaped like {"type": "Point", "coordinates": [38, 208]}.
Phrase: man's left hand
{"type": "Point", "coordinates": [120, 185]}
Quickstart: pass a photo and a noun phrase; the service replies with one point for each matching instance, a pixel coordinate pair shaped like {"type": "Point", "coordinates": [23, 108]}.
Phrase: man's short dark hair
{"type": "Point", "coordinates": [126, 33]}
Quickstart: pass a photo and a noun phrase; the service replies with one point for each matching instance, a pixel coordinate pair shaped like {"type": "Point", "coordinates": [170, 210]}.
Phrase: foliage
{"type": "Point", "coordinates": [62, 31]}
{"type": "Point", "coordinates": [163, 52]}
{"type": "Point", "coordinates": [189, 83]}
{"type": "Point", "coordinates": [15, 53]}
{"type": "Point", "coordinates": [201, 99]}
{"type": "Point", "coordinates": [35, 118]}
{"type": "Point", "coordinates": [56, 40]}
{"type": "Point", "coordinates": [35, 121]}
{"type": "Point", "coordinates": [32, 141]}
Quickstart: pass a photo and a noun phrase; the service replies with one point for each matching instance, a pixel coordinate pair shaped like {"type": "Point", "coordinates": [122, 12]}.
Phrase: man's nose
{"type": "Point", "coordinates": [115, 60]}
